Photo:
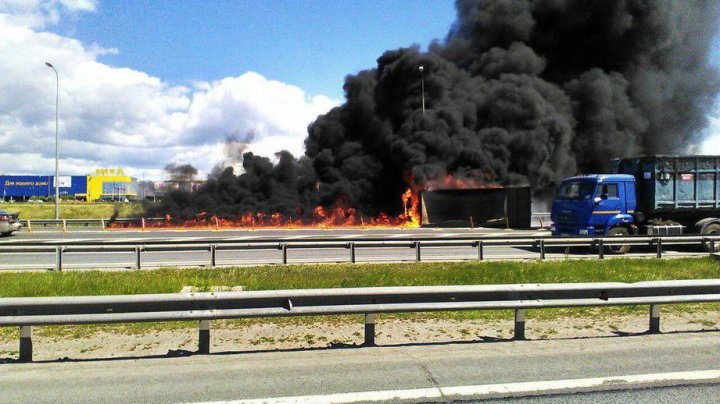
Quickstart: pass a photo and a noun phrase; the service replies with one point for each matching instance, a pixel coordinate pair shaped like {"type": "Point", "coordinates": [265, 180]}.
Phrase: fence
{"type": "Point", "coordinates": [539, 219]}
{"type": "Point", "coordinates": [204, 307]}
{"type": "Point", "coordinates": [213, 245]}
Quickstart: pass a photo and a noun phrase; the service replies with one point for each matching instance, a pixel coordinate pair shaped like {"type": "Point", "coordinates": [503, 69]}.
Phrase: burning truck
{"type": "Point", "coordinates": [524, 92]}
{"type": "Point", "coordinates": [497, 206]}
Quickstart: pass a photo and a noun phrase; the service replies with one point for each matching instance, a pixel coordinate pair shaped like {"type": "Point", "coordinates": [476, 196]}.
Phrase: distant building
{"type": "Point", "coordinates": [109, 184]}
{"type": "Point", "coordinates": [105, 185]}
{"type": "Point", "coordinates": [190, 185]}
{"type": "Point", "coordinates": [24, 187]}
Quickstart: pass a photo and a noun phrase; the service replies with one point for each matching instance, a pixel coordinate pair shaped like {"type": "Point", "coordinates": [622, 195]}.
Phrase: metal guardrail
{"type": "Point", "coordinates": [352, 245]}
{"type": "Point", "coordinates": [204, 307]}
{"type": "Point", "coordinates": [541, 218]}
{"type": "Point", "coordinates": [66, 224]}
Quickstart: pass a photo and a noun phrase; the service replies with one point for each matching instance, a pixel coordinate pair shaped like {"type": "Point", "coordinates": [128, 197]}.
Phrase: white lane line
{"type": "Point", "coordinates": [502, 389]}
{"type": "Point", "coordinates": [452, 234]}
{"type": "Point", "coordinates": [302, 237]}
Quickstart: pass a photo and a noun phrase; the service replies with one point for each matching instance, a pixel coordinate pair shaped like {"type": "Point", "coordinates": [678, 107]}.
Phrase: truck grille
{"type": "Point", "coordinates": [567, 217]}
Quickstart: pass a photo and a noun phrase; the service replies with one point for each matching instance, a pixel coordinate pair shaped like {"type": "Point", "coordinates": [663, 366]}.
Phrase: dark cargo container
{"type": "Point", "coordinates": [487, 207]}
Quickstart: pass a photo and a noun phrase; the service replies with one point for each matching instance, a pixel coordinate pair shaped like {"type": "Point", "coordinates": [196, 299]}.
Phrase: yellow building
{"type": "Point", "coordinates": [110, 184]}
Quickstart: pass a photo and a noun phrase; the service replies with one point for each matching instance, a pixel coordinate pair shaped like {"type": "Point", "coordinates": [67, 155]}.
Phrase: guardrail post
{"type": "Point", "coordinates": [283, 247]}
{"type": "Point", "coordinates": [369, 330]}
{"type": "Point", "coordinates": [58, 258]}
{"type": "Point", "coordinates": [102, 224]}
{"type": "Point", "coordinates": [138, 250]}
{"type": "Point", "coordinates": [352, 252]}
{"type": "Point", "coordinates": [601, 249]}
{"type": "Point", "coordinates": [417, 251]}
{"type": "Point", "coordinates": [654, 319]}
{"type": "Point", "coordinates": [29, 226]}
{"type": "Point", "coordinates": [26, 345]}
{"type": "Point", "coordinates": [204, 337]}
{"type": "Point", "coordinates": [480, 250]}
{"type": "Point", "coordinates": [659, 247]}
{"type": "Point", "coordinates": [213, 255]}
{"type": "Point", "coordinates": [519, 324]}
{"type": "Point", "coordinates": [64, 223]}
{"type": "Point", "coordinates": [542, 249]}
{"type": "Point", "coordinates": [143, 223]}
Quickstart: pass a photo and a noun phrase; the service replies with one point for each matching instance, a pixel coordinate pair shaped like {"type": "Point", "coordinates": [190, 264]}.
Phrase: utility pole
{"type": "Point", "coordinates": [57, 154]}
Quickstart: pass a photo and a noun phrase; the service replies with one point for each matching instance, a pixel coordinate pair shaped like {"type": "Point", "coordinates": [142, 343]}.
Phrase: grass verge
{"type": "Point", "coordinates": [73, 210]}
{"type": "Point", "coordinates": [171, 280]}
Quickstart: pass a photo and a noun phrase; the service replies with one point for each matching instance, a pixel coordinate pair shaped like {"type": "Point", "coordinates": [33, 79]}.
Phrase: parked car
{"type": "Point", "coordinates": [9, 223]}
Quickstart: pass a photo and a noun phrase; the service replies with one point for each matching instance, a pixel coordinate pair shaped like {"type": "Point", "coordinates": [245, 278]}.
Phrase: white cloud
{"type": "Point", "coordinates": [119, 117]}
{"type": "Point", "coordinates": [41, 13]}
{"type": "Point", "coordinates": [711, 144]}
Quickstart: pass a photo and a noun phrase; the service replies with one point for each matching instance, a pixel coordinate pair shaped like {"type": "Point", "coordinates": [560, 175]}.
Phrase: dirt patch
{"type": "Point", "coordinates": [229, 336]}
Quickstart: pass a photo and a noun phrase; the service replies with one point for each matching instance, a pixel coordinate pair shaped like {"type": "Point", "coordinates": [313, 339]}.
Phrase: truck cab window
{"type": "Point", "coordinates": [576, 190]}
{"type": "Point", "coordinates": [611, 190]}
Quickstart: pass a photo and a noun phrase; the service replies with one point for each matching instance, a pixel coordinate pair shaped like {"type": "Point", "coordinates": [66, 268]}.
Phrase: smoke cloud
{"type": "Point", "coordinates": [518, 92]}
{"type": "Point", "coordinates": [181, 172]}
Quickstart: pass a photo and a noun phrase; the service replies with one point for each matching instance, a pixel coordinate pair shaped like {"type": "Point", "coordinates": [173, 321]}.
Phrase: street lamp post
{"type": "Point", "coordinates": [422, 84]}
{"type": "Point", "coordinates": [57, 155]}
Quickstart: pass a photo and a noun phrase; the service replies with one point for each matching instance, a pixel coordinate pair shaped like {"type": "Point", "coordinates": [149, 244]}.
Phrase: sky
{"type": "Point", "coordinates": [148, 83]}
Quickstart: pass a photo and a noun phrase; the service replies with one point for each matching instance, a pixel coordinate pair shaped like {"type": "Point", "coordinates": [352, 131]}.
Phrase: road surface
{"type": "Point", "coordinates": [421, 372]}
{"type": "Point", "coordinates": [126, 260]}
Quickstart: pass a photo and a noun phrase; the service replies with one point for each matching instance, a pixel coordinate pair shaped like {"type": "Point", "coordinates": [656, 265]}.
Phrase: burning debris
{"type": "Point", "coordinates": [520, 92]}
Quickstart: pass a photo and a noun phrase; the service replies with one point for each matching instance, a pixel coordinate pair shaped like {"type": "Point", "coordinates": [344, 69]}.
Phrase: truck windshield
{"type": "Point", "coordinates": [576, 190]}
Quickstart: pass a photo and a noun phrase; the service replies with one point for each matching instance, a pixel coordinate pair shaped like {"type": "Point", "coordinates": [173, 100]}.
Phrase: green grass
{"type": "Point", "coordinates": [73, 210]}
{"type": "Point", "coordinates": [171, 280]}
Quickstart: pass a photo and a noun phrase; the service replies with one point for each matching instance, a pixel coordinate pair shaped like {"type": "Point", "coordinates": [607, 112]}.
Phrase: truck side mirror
{"type": "Point", "coordinates": [597, 200]}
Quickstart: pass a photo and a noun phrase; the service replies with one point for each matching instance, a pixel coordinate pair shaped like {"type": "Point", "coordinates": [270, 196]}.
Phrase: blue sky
{"type": "Point", "coordinates": [311, 44]}
{"type": "Point", "coordinates": [152, 82]}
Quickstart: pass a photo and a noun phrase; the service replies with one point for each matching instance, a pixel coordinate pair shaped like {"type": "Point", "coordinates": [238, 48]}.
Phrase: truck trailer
{"type": "Point", "coordinates": [653, 195]}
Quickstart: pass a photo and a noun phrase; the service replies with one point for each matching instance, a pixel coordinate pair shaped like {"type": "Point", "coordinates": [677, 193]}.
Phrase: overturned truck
{"type": "Point", "coordinates": [506, 207]}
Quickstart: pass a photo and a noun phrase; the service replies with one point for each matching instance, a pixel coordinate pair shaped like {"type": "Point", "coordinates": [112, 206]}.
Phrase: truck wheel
{"type": "Point", "coordinates": [6, 234]}
{"type": "Point", "coordinates": [618, 249]}
{"type": "Point", "coordinates": [712, 230]}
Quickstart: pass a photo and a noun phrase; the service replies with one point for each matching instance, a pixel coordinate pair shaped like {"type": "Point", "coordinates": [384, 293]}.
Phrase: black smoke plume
{"type": "Point", "coordinates": [181, 172]}
{"type": "Point", "coordinates": [518, 92]}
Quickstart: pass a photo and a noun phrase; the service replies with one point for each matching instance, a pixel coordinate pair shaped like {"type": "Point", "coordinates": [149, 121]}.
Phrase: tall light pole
{"type": "Point", "coordinates": [57, 154]}
{"type": "Point", "coordinates": [422, 84]}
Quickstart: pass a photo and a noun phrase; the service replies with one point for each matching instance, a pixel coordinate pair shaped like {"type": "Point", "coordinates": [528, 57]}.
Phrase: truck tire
{"type": "Point", "coordinates": [712, 230]}
{"type": "Point", "coordinates": [618, 249]}
{"type": "Point", "coordinates": [6, 234]}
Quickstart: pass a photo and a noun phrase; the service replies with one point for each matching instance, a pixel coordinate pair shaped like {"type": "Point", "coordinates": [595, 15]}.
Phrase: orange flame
{"type": "Point", "coordinates": [450, 181]}
{"type": "Point", "coordinates": [321, 217]}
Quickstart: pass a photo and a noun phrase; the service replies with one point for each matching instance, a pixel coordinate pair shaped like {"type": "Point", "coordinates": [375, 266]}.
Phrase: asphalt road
{"type": "Point", "coordinates": [703, 393]}
{"type": "Point", "coordinates": [126, 260]}
{"type": "Point", "coordinates": [425, 372]}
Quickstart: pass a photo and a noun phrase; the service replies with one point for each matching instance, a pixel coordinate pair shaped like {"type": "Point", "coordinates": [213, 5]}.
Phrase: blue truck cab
{"type": "Point", "coordinates": [594, 204]}
{"type": "Point", "coordinates": [654, 195]}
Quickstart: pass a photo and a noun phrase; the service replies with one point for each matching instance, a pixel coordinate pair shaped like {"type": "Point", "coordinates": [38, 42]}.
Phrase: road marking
{"type": "Point", "coordinates": [302, 236]}
{"type": "Point", "coordinates": [495, 390]}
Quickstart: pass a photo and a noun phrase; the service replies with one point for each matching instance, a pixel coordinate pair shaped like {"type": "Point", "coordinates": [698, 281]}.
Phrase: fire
{"type": "Point", "coordinates": [339, 215]}
{"type": "Point", "coordinates": [411, 207]}
{"type": "Point", "coordinates": [450, 181]}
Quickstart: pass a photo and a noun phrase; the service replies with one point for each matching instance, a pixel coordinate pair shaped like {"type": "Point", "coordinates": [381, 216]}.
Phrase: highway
{"type": "Point", "coordinates": [126, 260]}
{"type": "Point", "coordinates": [638, 366]}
